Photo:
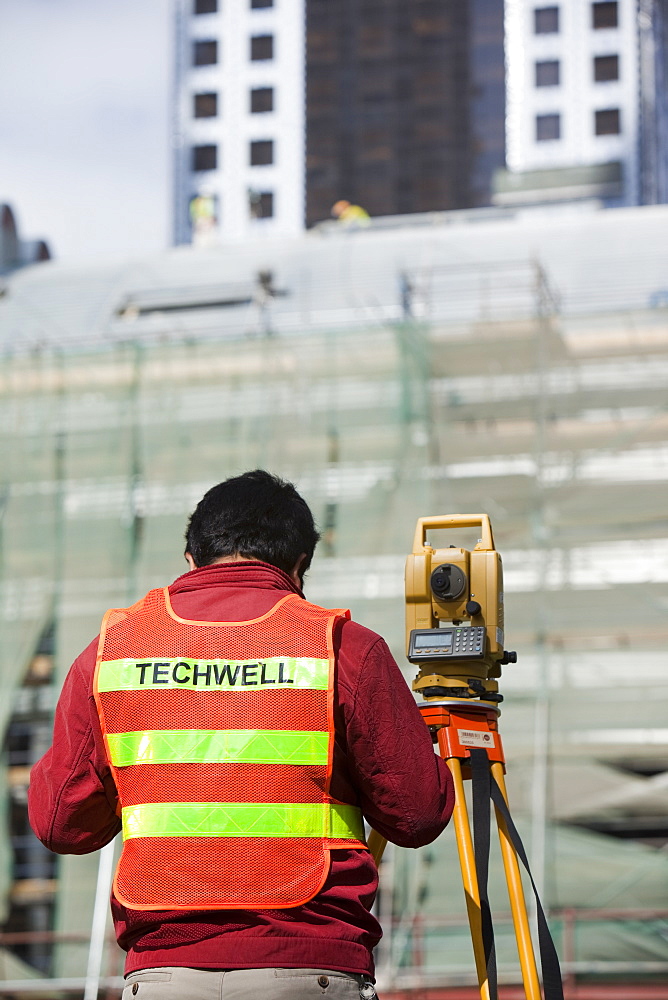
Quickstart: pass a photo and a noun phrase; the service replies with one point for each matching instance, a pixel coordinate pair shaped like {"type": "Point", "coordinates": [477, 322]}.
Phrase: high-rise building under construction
{"type": "Point", "coordinates": [283, 109]}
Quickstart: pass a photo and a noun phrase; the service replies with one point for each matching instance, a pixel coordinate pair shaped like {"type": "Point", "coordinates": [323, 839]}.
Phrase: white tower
{"type": "Point", "coordinates": [573, 87]}
{"type": "Point", "coordinates": [238, 119]}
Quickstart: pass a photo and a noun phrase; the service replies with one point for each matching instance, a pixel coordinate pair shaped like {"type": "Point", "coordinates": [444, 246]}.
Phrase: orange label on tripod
{"type": "Point", "coordinates": [475, 738]}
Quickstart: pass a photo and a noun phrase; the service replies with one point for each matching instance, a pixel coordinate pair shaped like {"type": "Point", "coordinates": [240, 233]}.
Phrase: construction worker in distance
{"type": "Point", "coordinates": [350, 215]}
{"type": "Point", "coordinates": [238, 735]}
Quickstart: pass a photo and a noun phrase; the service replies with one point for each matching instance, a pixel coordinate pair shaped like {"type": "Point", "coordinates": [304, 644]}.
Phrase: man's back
{"type": "Point", "coordinates": [383, 757]}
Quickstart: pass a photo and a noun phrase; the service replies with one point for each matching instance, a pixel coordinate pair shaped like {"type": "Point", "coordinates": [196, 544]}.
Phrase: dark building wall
{"type": "Point", "coordinates": [653, 100]}
{"type": "Point", "coordinates": [404, 104]}
{"type": "Point", "coordinates": [660, 26]}
{"type": "Point", "coordinates": [487, 97]}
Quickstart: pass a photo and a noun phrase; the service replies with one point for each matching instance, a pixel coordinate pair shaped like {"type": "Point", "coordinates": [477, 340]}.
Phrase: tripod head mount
{"type": "Point", "coordinates": [454, 613]}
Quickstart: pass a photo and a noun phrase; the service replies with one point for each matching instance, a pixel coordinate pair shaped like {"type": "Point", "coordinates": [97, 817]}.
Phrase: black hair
{"type": "Point", "coordinates": [255, 515]}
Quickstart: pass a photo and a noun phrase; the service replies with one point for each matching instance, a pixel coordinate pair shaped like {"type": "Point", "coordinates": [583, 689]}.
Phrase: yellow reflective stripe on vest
{"type": "Point", "coordinates": [203, 746]}
{"type": "Point", "coordinates": [243, 819]}
{"type": "Point", "coordinates": [213, 675]}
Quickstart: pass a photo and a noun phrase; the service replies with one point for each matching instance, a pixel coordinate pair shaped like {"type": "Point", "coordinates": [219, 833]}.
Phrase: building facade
{"type": "Point", "coordinates": [238, 119]}
{"type": "Point", "coordinates": [585, 101]}
{"type": "Point", "coordinates": [284, 108]}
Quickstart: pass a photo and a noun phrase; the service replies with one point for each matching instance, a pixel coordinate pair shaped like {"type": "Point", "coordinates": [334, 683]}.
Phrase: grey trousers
{"type": "Point", "coordinates": [173, 983]}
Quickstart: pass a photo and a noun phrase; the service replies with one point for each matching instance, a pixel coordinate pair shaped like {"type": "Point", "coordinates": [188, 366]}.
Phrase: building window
{"type": "Point", "coordinates": [608, 122]}
{"type": "Point", "coordinates": [261, 153]}
{"type": "Point", "coordinates": [548, 128]}
{"type": "Point", "coordinates": [606, 68]}
{"type": "Point", "coordinates": [261, 204]}
{"type": "Point", "coordinates": [261, 3]}
{"type": "Point", "coordinates": [205, 53]}
{"type": "Point", "coordinates": [205, 157]}
{"type": "Point", "coordinates": [262, 99]}
{"type": "Point", "coordinates": [262, 47]}
{"type": "Point", "coordinates": [547, 73]}
{"type": "Point", "coordinates": [546, 20]}
{"type": "Point", "coordinates": [205, 6]}
{"type": "Point", "coordinates": [604, 15]}
{"type": "Point", "coordinates": [205, 105]}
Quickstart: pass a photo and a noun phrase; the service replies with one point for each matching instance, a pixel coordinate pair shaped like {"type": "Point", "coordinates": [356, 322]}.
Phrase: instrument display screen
{"type": "Point", "coordinates": [433, 640]}
{"type": "Point", "coordinates": [454, 643]}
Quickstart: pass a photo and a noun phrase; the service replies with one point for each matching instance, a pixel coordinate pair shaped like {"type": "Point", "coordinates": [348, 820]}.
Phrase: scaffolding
{"type": "Point", "coordinates": [460, 388]}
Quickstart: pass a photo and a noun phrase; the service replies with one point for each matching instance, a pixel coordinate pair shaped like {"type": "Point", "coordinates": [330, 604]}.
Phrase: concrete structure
{"type": "Point", "coordinates": [586, 101]}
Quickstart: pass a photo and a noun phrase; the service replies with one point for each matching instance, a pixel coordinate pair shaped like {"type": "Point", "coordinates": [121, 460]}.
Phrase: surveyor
{"type": "Point", "coordinates": [238, 735]}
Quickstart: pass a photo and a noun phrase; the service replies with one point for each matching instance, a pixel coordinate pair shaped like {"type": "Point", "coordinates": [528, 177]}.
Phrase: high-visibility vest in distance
{"type": "Point", "coordinates": [220, 739]}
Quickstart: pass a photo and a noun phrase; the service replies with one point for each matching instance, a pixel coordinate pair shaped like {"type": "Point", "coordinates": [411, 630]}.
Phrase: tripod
{"type": "Point", "coordinates": [467, 735]}
{"type": "Point", "coordinates": [455, 635]}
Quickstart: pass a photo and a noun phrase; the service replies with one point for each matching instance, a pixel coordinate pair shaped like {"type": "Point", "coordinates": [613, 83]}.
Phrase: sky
{"type": "Point", "coordinates": [84, 123]}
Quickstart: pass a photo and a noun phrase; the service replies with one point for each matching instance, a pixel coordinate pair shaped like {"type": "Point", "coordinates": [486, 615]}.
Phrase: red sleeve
{"type": "Point", "coordinates": [72, 796]}
{"type": "Point", "coordinates": [406, 790]}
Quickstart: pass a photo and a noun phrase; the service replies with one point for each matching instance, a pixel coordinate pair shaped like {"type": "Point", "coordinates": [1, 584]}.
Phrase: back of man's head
{"type": "Point", "coordinates": [257, 516]}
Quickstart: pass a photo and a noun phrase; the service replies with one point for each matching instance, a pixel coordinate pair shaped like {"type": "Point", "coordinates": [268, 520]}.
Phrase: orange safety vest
{"type": "Point", "coordinates": [220, 739]}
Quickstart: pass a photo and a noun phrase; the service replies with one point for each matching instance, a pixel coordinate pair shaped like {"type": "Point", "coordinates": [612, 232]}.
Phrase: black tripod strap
{"type": "Point", "coordinates": [481, 787]}
{"type": "Point", "coordinates": [549, 960]}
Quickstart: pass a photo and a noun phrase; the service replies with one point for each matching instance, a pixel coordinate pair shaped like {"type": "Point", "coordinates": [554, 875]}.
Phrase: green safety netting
{"type": "Point", "coordinates": [553, 425]}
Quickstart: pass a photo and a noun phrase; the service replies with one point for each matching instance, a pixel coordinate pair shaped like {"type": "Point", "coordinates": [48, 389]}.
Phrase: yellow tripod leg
{"type": "Point", "coordinates": [516, 895]}
{"type": "Point", "coordinates": [460, 819]}
{"type": "Point", "coordinates": [377, 845]}
{"type": "Point", "coordinates": [511, 867]}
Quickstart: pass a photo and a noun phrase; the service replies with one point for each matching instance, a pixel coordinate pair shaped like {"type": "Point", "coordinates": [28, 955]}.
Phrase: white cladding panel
{"type": "Point", "coordinates": [235, 127]}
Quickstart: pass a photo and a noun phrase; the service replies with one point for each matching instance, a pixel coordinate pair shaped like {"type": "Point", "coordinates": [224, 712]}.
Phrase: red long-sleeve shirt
{"type": "Point", "coordinates": [383, 759]}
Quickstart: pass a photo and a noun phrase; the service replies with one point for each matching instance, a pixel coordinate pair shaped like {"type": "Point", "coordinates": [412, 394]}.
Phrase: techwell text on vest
{"type": "Point", "coordinates": [208, 674]}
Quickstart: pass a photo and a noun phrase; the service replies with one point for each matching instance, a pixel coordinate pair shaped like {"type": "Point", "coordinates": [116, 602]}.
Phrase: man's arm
{"type": "Point", "coordinates": [406, 790]}
{"type": "Point", "coordinates": [72, 796]}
